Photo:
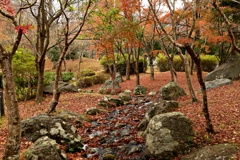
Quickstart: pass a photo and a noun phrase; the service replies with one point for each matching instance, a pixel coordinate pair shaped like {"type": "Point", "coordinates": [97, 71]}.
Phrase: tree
{"type": "Point", "coordinates": [132, 14]}
{"type": "Point", "coordinates": [70, 33]}
{"type": "Point", "coordinates": [6, 55]}
{"type": "Point", "coordinates": [185, 43]}
{"type": "Point", "coordinates": [229, 27]}
{"type": "Point", "coordinates": [44, 15]}
{"type": "Point", "coordinates": [105, 32]}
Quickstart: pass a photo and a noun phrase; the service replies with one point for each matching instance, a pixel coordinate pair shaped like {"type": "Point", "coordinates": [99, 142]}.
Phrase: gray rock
{"type": "Point", "coordinates": [110, 102]}
{"type": "Point", "coordinates": [171, 91]}
{"type": "Point", "coordinates": [119, 77]}
{"type": "Point", "coordinates": [155, 109]}
{"type": "Point", "coordinates": [55, 128]}
{"type": "Point", "coordinates": [43, 149]}
{"type": "Point", "coordinates": [139, 90]}
{"type": "Point", "coordinates": [217, 83]}
{"type": "Point", "coordinates": [215, 152]}
{"type": "Point", "coordinates": [160, 107]}
{"type": "Point", "coordinates": [92, 111]}
{"type": "Point", "coordinates": [230, 70]}
{"type": "Point", "coordinates": [125, 96]}
{"type": "Point", "coordinates": [62, 86]}
{"type": "Point", "coordinates": [167, 134]}
{"type": "Point", "coordinates": [152, 93]}
{"type": "Point", "coordinates": [89, 91]}
{"type": "Point", "coordinates": [106, 88]}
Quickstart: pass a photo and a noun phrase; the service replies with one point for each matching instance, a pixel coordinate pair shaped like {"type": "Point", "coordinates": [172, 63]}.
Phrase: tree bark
{"type": "Point", "coordinates": [188, 77]}
{"type": "Point", "coordinates": [56, 92]}
{"type": "Point", "coordinates": [137, 53]}
{"type": "Point", "coordinates": [112, 70]}
{"type": "Point", "coordinates": [12, 146]}
{"type": "Point", "coordinates": [41, 66]}
{"type": "Point", "coordinates": [151, 67]}
{"type": "Point", "coordinates": [128, 67]}
{"type": "Point", "coordinates": [197, 61]}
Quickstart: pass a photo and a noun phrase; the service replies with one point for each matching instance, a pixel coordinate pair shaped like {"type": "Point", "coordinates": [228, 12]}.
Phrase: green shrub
{"type": "Point", "coordinates": [25, 74]}
{"type": "Point", "coordinates": [209, 62]}
{"type": "Point", "coordinates": [162, 63]}
{"type": "Point", "coordinates": [178, 64]}
{"type": "Point", "coordinates": [88, 81]}
{"type": "Point", "coordinates": [67, 76]}
{"type": "Point", "coordinates": [48, 77]}
{"type": "Point", "coordinates": [87, 72]}
{"type": "Point", "coordinates": [85, 82]}
{"type": "Point", "coordinates": [84, 73]}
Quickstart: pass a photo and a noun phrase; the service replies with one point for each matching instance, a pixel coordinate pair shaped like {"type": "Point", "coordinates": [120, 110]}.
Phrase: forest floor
{"type": "Point", "coordinates": [224, 108]}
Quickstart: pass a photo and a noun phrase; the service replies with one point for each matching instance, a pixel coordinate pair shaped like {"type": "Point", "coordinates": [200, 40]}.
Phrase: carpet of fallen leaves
{"type": "Point", "coordinates": [224, 108]}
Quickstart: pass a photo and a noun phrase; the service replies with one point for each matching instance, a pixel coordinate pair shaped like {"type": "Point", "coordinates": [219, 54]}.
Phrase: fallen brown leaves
{"type": "Point", "coordinates": [224, 108]}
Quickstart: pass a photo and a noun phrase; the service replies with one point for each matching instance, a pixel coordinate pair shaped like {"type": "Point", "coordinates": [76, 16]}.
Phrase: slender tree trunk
{"type": "Point", "coordinates": [112, 70]}
{"type": "Point", "coordinates": [65, 64]}
{"type": "Point", "coordinates": [191, 67]}
{"type": "Point", "coordinates": [39, 96]}
{"type": "Point", "coordinates": [197, 60]}
{"type": "Point", "coordinates": [188, 77]}
{"type": "Point", "coordinates": [172, 70]}
{"type": "Point", "coordinates": [128, 70]}
{"type": "Point", "coordinates": [137, 72]}
{"type": "Point", "coordinates": [12, 146]}
{"type": "Point", "coordinates": [151, 67]}
{"type": "Point", "coordinates": [79, 61]}
{"type": "Point", "coordinates": [56, 94]}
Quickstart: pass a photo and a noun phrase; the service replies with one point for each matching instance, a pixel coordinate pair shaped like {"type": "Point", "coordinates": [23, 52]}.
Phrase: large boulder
{"type": "Point", "coordinates": [230, 70]}
{"type": "Point", "coordinates": [215, 152]}
{"type": "Point", "coordinates": [44, 148]}
{"type": "Point", "coordinates": [154, 109]}
{"type": "Point", "coordinates": [106, 88]}
{"type": "Point", "coordinates": [57, 128]}
{"type": "Point", "coordinates": [167, 135]}
{"type": "Point", "coordinates": [217, 83]}
{"type": "Point", "coordinates": [171, 91]}
{"type": "Point", "coordinates": [62, 86]}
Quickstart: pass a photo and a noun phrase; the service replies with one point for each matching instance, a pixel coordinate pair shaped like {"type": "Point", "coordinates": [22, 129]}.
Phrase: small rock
{"type": "Point", "coordinates": [92, 111]}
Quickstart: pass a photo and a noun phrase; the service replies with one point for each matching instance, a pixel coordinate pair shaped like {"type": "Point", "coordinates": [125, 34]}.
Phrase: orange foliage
{"type": "Point", "coordinates": [129, 7]}
{"type": "Point", "coordinates": [184, 41]}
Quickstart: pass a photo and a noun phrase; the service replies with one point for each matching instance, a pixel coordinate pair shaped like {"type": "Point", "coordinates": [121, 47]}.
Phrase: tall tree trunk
{"type": "Point", "coordinates": [128, 69]}
{"type": "Point", "coordinates": [56, 92]}
{"type": "Point", "coordinates": [65, 64]}
{"type": "Point", "coordinates": [80, 61]}
{"type": "Point", "coordinates": [41, 66]}
{"type": "Point", "coordinates": [188, 77]}
{"type": "Point", "coordinates": [112, 70]}
{"type": "Point", "coordinates": [171, 67]}
{"type": "Point", "coordinates": [151, 67]}
{"type": "Point", "coordinates": [137, 72]}
{"type": "Point", "coordinates": [12, 146]}
{"type": "Point", "coordinates": [197, 61]}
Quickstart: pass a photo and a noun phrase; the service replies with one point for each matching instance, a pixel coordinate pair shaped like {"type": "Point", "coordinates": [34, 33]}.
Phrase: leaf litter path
{"type": "Point", "coordinates": [224, 108]}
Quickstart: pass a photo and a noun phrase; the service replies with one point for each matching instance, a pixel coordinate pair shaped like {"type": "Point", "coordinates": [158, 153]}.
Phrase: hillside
{"type": "Point", "coordinates": [72, 66]}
